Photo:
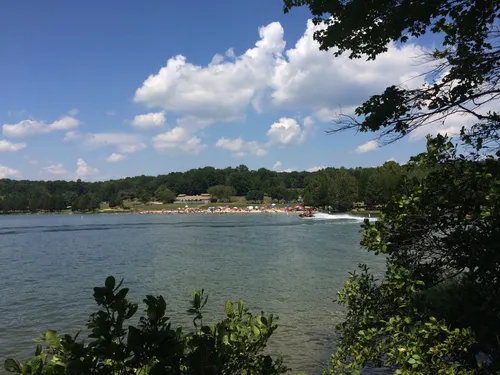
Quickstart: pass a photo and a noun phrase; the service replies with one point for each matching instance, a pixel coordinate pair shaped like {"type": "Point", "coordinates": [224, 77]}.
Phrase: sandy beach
{"type": "Point", "coordinates": [220, 210]}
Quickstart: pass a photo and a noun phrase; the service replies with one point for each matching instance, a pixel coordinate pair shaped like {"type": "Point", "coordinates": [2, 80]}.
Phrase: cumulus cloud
{"type": "Point", "coordinates": [285, 132]}
{"type": "Point", "coordinates": [366, 147]}
{"type": "Point", "coordinates": [73, 112]}
{"type": "Point", "coordinates": [220, 91]}
{"type": "Point", "coordinates": [8, 146]}
{"type": "Point", "coordinates": [288, 132]}
{"type": "Point", "coordinates": [453, 124]}
{"type": "Point", "coordinates": [316, 168]}
{"type": "Point", "coordinates": [6, 172]}
{"type": "Point", "coordinates": [178, 139]}
{"type": "Point", "coordinates": [85, 171]}
{"type": "Point", "coordinates": [277, 165]}
{"type": "Point", "coordinates": [114, 157]}
{"type": "Point", "coordinates": [149, 120]}
{"type": "Point", "coordinates": [241, 148]}
{"type": "Point", "coordinates": [28, 128]}
{"type": "Point", "coordinates": [268, 75]}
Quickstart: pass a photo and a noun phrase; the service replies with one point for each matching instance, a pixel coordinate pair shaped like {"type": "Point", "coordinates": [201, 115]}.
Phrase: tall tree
{"type": "Point", "coordinates": [465, 72]}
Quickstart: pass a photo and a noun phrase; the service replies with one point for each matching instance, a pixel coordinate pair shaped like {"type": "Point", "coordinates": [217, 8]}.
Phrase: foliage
{"type": "Point", "coordinates": [437, 309]}
{"type": "Point", "coordinates": [464, 70]}
{"type": "Point", "coordinates": [440, 238]}
{"type": "Point", "coordinates": [50, 196]}
{"type": "Point", "coordinates": [255, 196]}
{"type": "Point", "coordinates": [331, 187]}
{"type": "Point", "coordinates": [222, 193]}
{"type": "Point", "coordinates": [115, 202]}
{"type": "Point", "coordinates": [165, 195]}
{"type": "Point", "coordinates": [233, 346]}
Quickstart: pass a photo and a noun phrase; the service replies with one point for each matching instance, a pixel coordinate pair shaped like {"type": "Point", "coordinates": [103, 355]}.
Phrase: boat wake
{"type": "Point", "coordinates": [345, 217]}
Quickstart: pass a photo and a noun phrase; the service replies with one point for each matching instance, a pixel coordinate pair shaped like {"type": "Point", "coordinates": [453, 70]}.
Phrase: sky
{"type": "Point", "coordinates": [100, 89]}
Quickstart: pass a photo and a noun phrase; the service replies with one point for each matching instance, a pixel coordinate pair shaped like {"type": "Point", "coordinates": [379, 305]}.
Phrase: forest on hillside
{"type": "Point", "coordinates": [339, 188]}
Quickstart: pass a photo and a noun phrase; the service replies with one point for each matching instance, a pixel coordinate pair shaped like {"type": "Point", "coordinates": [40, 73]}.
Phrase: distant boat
{"type": "Point", "coordinates": [306, 214]}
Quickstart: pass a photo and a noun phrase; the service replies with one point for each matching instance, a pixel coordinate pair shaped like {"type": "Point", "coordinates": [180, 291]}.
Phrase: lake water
{"type": "Point", "coordinates": [276, 263]}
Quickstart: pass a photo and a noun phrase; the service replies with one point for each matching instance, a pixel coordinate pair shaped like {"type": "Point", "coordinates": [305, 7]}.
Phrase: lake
{"type": "Point", "coordinates": [276, 263]}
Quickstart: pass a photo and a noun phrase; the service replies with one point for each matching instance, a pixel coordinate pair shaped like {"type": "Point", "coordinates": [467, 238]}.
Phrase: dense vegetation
{"type": "Point", "coordinates": [233, 346]}
{"type": "Point", "coordinates": [437, 310]}
{"type": "Point", "coordinates": [345, 187]}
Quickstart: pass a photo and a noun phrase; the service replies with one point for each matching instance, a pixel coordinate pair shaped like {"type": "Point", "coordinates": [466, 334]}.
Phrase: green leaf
{"type": "Point", "coordinates": [52, 338]}
{"type": "Point", "coordinates": [229, 309]}
{"type": "Point", "coordinates": [256, 331]}
{"type": "Point", "coordinates": [11, 365]}
{"type": "Point", "coordinates": [121, 294]}
{"type": "Point", "coordinates": [110, 283]}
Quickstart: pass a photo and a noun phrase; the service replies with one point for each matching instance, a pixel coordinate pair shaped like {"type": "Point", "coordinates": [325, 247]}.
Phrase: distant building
{"type": "Point", "coordinates": [193, 199]}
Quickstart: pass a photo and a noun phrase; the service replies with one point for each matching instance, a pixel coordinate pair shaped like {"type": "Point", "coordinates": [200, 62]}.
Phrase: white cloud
{"type": "Point", "coordinates": [391, 159]}
{"type": "Point", "coordinates": [366, 147]}
{"type": "Point", "coordinates": [178, 139]}
{"type": "Point", "coordinates": [64, 123]}
{"type": "Point", "coordinates": [453, 123]}
{"type": "Point", "coordinates": [220, 91]}
{"type": "Point", "coordinates": [268, 75]}
{"type": "Point", "coordinates": [85, 171]}
{"type": "Point", "coordinates": [316, 168]}
{"type": "Point", "coordinates": [277, 165]}
{"type": "Point", "coordinates": [56, 170]}
{"type": "Point", "coordinates": [6, 172]}
{"type": "Point", "coordinates": [241, 148]}
{"type": "Point", "coordinates": [285, 132]}
{"type": "Point", "coordinates": [288, 132]}
{"type": "Point", "coordinates": [27, 128]}
{"type": "Point", "coordinates": [73, 112]}
{"type": "Point", "coordinates": [8, 146]}
{"type": "Point", "coordinates": [71, 136]}
{"type": "Point", "coordinates": [24, 128]}
{"type": "Point", "coordinates": [149, 120]}
{"type": "Point", "coordinates": [114, 157]}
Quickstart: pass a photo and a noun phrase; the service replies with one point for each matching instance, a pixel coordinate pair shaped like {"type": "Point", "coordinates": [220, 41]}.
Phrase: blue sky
{"type": "Point", "coordinates": [98, 90]}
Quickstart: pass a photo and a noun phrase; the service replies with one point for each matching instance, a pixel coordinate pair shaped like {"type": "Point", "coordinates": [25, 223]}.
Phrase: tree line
{"type": "Point", "coordinates": [339, 188]}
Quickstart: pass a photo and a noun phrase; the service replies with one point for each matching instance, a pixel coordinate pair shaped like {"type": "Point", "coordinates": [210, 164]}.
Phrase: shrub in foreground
{"type": "Point", "coordinates": [233, 346]}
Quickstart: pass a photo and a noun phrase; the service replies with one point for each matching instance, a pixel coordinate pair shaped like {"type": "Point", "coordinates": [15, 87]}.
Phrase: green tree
{"type": "Point", "coordinates": [222, 193]}
{"type": "Point", "coordinates": [343, 190]}
{"type": "Point", "coordinates": [165, 195]}
{"type": "Point", "coordinates": [144, 197]}
{"type": "Point", "coordinates": [233, 346]}
{"type": "Point", "coordinates": [464, 74]}
{"type": "Point", "coordinates": [115, 202]}
{"type": "Point", "coordinates": [255, 196]}
{"type": "Point", "coordinates": [437, 308]}
{"type": "Point", "coordinates": [241, 181]}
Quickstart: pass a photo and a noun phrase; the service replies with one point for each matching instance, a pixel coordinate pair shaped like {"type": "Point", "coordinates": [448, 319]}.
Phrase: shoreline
{"type": "Point", "coordinates": [190, 212]}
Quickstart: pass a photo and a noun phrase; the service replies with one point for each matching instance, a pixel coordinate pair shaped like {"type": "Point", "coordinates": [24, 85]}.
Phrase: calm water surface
{"type": "Point", "coordinates": [277, 263]}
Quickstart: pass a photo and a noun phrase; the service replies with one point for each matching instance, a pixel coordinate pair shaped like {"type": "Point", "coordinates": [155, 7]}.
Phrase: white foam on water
{"type": "Point", "coordinates": [322, 216]}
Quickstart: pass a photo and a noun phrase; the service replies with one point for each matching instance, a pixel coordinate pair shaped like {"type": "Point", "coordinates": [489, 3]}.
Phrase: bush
{"type": "Point", "coordinates": [232, 346]}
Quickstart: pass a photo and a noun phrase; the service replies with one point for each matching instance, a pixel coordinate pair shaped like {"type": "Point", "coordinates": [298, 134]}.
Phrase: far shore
{"type": "Point", "coordinates": [191, 211]}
